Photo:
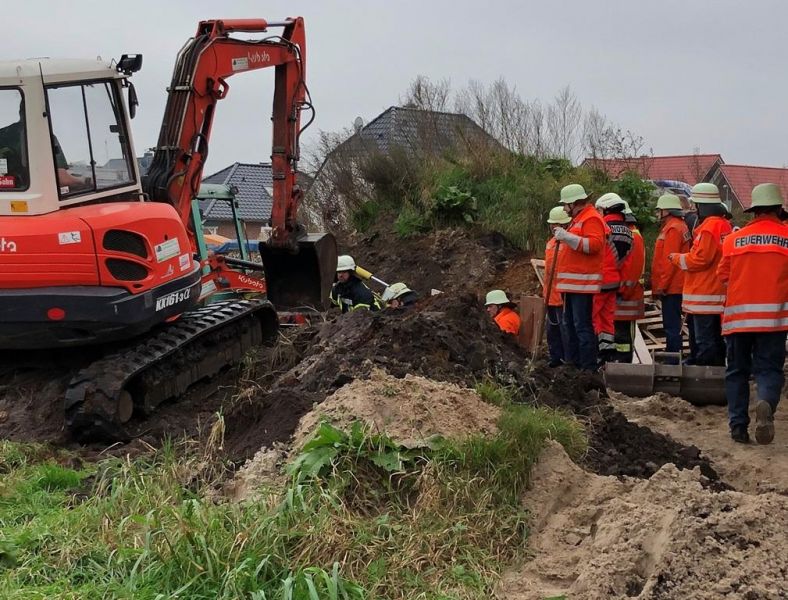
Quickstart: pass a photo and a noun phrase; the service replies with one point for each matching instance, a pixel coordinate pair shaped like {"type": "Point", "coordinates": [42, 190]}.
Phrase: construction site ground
{"type": "Point", "coordinates": [663, 504]}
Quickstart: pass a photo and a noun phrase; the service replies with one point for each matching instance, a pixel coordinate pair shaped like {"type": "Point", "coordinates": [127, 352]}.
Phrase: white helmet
{"type": "Point", "coordinates": [609, 200]}
{"type": "Point", "coordinates": [394, 291]}
{"type": "Point", "coordinates": [345, 262]}
{"type": "Point", "coordinates": [558, 216]}
{"type": "Point", "coordinates": [497, 297]}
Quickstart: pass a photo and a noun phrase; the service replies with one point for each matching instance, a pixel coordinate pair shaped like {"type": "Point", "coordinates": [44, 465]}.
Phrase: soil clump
{"type": "Point", "coordinates": [665, 537]}
{"type": "Point", "coordinates": [410, 410]}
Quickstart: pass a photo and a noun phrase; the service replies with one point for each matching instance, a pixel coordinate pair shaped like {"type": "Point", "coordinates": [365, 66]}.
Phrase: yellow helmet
{"type": "Point", "coordinates": [496, 297]}
{"type": "Point", "coordinates": [705, 193]}
{"type": "Point", "coordinates": [766, 194]}
{"type": "Point", "coordinates": [558, 215]}
{"type": "Point", "coordinates": [669, 202]}
{"type": "Point", "coordinates": [572, 193]}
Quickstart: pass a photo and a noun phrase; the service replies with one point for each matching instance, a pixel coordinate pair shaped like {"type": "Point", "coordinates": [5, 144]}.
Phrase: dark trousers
{"type": "Point", "coordinates": [708, 339]}
{"type": "Point", "coordinates": [693, 345]}
{"type": "Point", "coordinates": [583, 346]}
{"type": "Point", "coordinates": [625, 339]}
{"type": "Point", "coordinates": [671, 321]}
{"type": "Point", "coordinates": [556, 334]}
{"type": "Point", "coordinates": [763, 355]}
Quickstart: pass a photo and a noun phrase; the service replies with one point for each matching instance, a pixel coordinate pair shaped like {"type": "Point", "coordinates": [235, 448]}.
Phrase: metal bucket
{"type": "Point", "coordinates": [695, 384]}
{"type": "Point", "coordinates": [300, 278]}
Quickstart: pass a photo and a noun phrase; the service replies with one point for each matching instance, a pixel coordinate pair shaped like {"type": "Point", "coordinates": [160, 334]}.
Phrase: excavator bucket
{"type": "Point", "coordinates": [699, 385]}
{"type": "Point", "coordinates": [302, 278]}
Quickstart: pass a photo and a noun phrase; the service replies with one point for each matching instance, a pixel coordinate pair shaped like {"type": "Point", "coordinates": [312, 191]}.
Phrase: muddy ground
{"type": "Point", "coordinates": [648, 513]}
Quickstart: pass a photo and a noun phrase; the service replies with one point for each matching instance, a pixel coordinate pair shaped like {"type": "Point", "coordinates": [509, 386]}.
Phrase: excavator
{"type": "Point", "coordinates": [94, 255]}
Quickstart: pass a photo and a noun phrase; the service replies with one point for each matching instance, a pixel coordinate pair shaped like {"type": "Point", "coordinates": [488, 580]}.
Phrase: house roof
{"type": "Point", "coordinates": [254, 200]}
{"type": "Point", "coordinates": [742, 178]}
{"type": "Point", "coordinates": [689, 168]}
{"type": "Point", "coordinates": [415, 129]}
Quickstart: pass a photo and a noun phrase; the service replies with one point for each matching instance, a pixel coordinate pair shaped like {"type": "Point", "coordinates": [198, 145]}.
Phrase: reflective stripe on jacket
{"type": "Point", "coordinates": [508, 320]}
{"type": "Point", "coordinates": [703, 291]}
{"type": "Point", "coordinates": [755, 266]}
{"type": "Point", "coordinates": [674, 238]}
{"type": "Point", "coordinates": [549, 259]}
{"type": "Point", "coordinates": [630, 303]}
{"type": "Point", "coordinates": [581, 269]}
{"type": "Point", "coordinates": [353, 295]}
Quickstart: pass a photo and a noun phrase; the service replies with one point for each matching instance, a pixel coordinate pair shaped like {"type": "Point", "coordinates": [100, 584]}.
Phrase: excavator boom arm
{"type": "Point", "coordinates": [199, 82]}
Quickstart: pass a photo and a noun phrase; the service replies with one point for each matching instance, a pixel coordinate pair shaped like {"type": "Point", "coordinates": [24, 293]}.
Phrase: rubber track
{"type": "Point", "coordinates": [160, 367]}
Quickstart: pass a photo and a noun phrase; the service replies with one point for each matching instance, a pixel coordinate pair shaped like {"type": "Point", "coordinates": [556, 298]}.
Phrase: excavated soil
{"type": "Point", "coordinates": [666, 537]}
{"type": "Point", "coordinates": [450, 339]}
{"type": "Point", "coordinates": [410, 410]}
{"type": "Point", "coordinates": [749, 468]}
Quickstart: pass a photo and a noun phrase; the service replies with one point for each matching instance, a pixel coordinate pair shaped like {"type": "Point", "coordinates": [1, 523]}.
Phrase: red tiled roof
{"type": "Point", "coordinates": [689, 168]}
{"type": "Point", "coordinates": [742, 178]}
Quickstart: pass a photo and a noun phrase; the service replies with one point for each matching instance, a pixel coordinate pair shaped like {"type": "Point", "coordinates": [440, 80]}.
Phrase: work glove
{"type": "Point", "coordinates": [570, 239]}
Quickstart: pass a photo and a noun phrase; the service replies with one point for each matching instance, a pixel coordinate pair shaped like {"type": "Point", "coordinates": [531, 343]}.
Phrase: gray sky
{"type": "Point", "coordinates": [682, 74]}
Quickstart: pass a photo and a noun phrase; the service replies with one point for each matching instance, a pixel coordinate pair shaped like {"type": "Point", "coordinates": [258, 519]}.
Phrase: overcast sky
{"type": "Point", "coordinates": [708, 74]}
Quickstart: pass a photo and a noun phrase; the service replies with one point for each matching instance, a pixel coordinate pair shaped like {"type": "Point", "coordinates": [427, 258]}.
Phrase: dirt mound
{"type": "Point", "coordinates": [661, 538]}
{"type": "Point", "coordinates": [450, 260]}
{"type": "Point", "coordinates": [447, 338]}
{"type": "Point", "coordinates": [409, 410]}
{"type": "Point", "coordinates": [749, 468]}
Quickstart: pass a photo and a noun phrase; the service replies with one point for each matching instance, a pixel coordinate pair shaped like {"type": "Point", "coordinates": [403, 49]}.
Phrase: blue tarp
{"type": "Point", "coordinates": [234, 246]}
{"type": "Point", "coordinates": [679, 186]}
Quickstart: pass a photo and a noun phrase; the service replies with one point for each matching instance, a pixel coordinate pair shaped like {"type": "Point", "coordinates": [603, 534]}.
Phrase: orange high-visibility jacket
{"type": "Point", "coordinates": [581, 269]}
{"type": "Point", "coordinates": [550, 263]}
{"type": "Point", "coordinates": [674, 238]}
{"type": "Point", "coordinates": [508, 320]}
{"type": "Point", "coordinates": [630, 302]}
{"type": "Point", "coordinates": [703, 290]}
{"type": "Point", "coordinates": [755, 266]}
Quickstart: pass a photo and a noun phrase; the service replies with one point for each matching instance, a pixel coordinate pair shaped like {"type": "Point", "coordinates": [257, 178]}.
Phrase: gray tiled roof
{"type": "Point", "coordinates": [254, 201]}
{"type": "Point", "coordinates": [414, 129]}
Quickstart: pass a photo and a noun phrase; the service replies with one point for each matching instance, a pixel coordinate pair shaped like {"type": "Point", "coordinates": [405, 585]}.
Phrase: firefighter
{"type": "Point", "coordinates": [501, 309]}
{"type": "Point", "coordinates": [399, 295]}
{"type": "Point", "coordinates": [617, 249]}
{"type": "Point", "coordinates": [755, 267]}
{"type": "Point", "coordinates": [630, 302]}
{"type": "Point", "coordinates": [556, 330]}
{"type": "Point", "coordinates": [667, 280]}
{"type": "Point", "coordinates": [349, 292]}
{"type": "Point", "coordinates": [580, 277]}
{"type": "Point", "coordinates": [703, 295]}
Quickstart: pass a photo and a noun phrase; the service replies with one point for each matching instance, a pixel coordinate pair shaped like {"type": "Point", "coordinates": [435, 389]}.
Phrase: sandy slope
{"type": "Point", "coordinates": [597, 537]}
{"type": "Point", "coordinates": [748, 468]}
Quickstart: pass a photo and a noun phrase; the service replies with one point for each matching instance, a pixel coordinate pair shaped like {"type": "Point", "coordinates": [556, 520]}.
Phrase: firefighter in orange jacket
{"type": "Point", "coordinates": [703, 295]}
{"type": "Point", "coordinates": [580, 276]}
{"type": "Point", "coordinates": [556, 330]}
{"type": "Point", "coordinates": [630, 303]}
{"type": "Point", "coordinates": [501, 309]}
{"type": "Point", "coordinates": [755, 267]}
{"type": "Point", "coordinates": [617, 249]}
{"type": "Point", "coordinates": [667, 280]}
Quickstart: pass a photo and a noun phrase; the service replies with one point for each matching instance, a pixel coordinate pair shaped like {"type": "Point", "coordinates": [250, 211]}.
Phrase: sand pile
{"type": "Point", "coordinates": [410, 410]}
{"type": "Point", "coordinates": [665, 537]}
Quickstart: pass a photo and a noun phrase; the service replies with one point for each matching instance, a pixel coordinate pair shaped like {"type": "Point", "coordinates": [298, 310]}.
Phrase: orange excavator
{"type": "Point", "coordinates": [93, 254]}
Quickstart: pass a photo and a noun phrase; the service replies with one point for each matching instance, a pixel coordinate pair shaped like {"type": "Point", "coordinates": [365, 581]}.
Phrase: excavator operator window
{"type": "Point", "coordinates": [14, 168]}
{"type": "Point", "coordinates": [88, 128]}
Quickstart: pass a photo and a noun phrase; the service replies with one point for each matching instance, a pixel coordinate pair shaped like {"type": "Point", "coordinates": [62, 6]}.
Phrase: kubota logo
{"type": "Point", "coordinates": [257, 57]}
{"type": "Point", "coordinates": [7, 245]}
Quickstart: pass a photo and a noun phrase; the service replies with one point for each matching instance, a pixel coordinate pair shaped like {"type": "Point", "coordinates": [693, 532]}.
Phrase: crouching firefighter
{"type": "Point", "coordinates": [349, 292]}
